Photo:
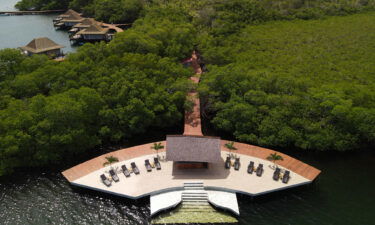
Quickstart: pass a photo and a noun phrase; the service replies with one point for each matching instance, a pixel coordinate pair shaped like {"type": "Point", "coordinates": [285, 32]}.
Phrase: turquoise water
{"type": "Point", "coordinates": [16, 31]}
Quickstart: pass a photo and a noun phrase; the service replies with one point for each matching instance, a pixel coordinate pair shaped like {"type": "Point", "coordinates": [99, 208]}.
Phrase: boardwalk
{"type": "Point", "coordinates": [192, 119]}
{"type": "Point", "coordinates": [15, 13]}
{"type": "Point", "coordinates": [113, 26]}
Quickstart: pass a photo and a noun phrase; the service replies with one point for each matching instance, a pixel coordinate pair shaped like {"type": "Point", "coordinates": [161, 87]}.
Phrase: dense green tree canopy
{"type": "Point", "coordinates": [273, 82]}
{"type": "Point", "coordinates": [306, 84]}
{"type": "Point", "coordinates": [104, 93]}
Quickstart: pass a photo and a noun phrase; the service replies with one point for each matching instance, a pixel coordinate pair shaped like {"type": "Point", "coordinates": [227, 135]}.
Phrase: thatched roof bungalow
{"type": "Point", "coordinates": [193, 149]}
{"type": "Point", "coordinates": [42, 45]}
{"type": "Point", "coordinates": [68, 19]}
{"type": "Point", "coordinates": [94, 33]}
{"type": "Point", "coordinates": [86, 23]}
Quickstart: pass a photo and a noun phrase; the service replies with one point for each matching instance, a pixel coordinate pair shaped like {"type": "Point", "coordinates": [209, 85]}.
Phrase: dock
{"type": "Point", "coordinates": [20, 13]}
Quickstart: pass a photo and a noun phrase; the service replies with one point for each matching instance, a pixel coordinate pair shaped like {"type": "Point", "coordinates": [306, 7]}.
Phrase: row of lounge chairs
{"type": "Point", "coordinates": [156, 163]}
{"type": "Point", "coordinates": [258, 171]}
{"type": "Point", "coordinates": [276, 174]}
{"type": "Point", "coordinates": [228, 163]}
{"type": "Point", "coordinates": [107, 182]}
{"type": "Point", "coordinates": [285, 178]}
{"type": "Point", "coordinates": [126, 172]}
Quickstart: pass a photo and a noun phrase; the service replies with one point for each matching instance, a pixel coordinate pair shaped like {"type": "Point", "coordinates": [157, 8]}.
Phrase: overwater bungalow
{"type": "Point", "coordinates": [86, 23]}
{"type": "Point", "coordinates": [67, 20]}
{"type": "Point", "coordinates": [93, 33]}
{"type": "Point", "coordinates": [43, 45]}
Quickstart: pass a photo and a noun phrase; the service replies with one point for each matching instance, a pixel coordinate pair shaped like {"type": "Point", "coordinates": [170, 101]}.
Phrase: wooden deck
{"type": "Point", "coordinates": [94, 164]}
{"type": "Point", "coordinates": [14, 13]}
{"type": "Point", "coordinates": [292, 164]}
{"type": "Point", "coordinates": [193, 119]}
{"type": "Point", "coordinates": [113, 26]}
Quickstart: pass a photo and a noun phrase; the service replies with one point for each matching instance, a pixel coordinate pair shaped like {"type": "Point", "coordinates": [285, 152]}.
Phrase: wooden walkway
{"type": "Point", "coordinates": [193, 119]}
{"type": "Point", "coordinates": [15, 13]}
{"type": "Point", "coordinates": [113, 26]}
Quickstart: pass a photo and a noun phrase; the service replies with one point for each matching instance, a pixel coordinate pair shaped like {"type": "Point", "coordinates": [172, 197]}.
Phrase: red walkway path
{"type": "Point", "coordinates": [193, 118]}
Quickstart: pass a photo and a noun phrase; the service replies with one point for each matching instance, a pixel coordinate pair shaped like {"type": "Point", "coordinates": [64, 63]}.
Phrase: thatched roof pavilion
{"type": "Point", "coordinates": [41, 45]}
{"type": "Point", "coordinates": [71, 16]}
{"type": "Point", "coordinates": [86, 23]}
{"type": "Point", "coordinates": [184, 148]}
{"type": "Point", "coordinates": [69, 13]}
{"type": "Point", "coordinates": [94, 29]}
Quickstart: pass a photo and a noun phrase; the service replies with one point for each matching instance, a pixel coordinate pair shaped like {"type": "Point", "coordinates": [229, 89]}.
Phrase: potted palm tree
{"type": "Point", "coordinates": [230, 146]}
{"type": "Point", "coordinates": [157, 147]}
{"type": "Point", "coordinates": [110, 159]}
{"type": "Point", "coordinates": [275, 157]}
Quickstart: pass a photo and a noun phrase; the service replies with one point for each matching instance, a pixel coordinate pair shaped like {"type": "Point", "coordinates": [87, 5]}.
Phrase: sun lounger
{"type": "Point", "coordinates": [105, 180]}
{"type": "Point", "coordinates": [157, 163]}
{"type": "Point", "coordinates": [125, 171]}
{"type": "Point", "coordinates": [134, 168]}
{"type": "Point", "coordinates": [114, 175]}
{"type": "Point", "coordinates": [237, 164]}
{"type": "Point", "coordinates": [227, 163]}
{"type": "Point", "coordinates": [286, 177]}
{"type": "Point", "coordinates": [250, 168]}
{"type": "Point", "coordinates": [276, 174]}
{"type": "Point", "coordinates": [148, 165]}
{"type": "Point", "coordinates": [259, 170]}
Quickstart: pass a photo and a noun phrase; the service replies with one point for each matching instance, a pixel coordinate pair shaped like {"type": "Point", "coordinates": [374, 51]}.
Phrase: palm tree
{"type": "Point", "coordinates": [110, 159]}
{"type": "Point", "coordinates": [275, 157]}
{"type": "Point", "coordinates": [157, 147]}
{"type": "Point", "coordinates": [230, 146]}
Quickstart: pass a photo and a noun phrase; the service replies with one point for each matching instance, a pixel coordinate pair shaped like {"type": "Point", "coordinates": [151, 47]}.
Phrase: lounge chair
{"type": "Point", "coordinates": [250, 168]}
{"type": "Point", "coordinates": [134, 168]}
{"type": "Point", "coordinates": [286, 177]}
{"type": "Point", "coordinates": [157, 163]}
{"type": "Point", "coordinates": [125, 171]}
{"type": "Point", "coordinates": [105, 180]}
{"type": "Point", "coordinates": [237, 164]}
{"type": "Point", "coordinates": [276, 174]}
{"type": "Point", "coordinates": [148, 165]}
{"type": "Point", "coordinates": [259, 170]}
{"type": "Point", "coordinates": [114, 175]}
{"type": "Point", "coordinates": [227, 163]}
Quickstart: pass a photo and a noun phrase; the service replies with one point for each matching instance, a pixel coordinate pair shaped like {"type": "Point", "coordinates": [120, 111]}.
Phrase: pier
{"type": "Point", "coordinates": [20, 13]}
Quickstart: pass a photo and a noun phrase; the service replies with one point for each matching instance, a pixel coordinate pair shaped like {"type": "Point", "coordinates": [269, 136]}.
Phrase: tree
{"type": "Point", "coordinates": [110, 160]}
{"type": "Point", "coordinates": [9, 63]}
{"type": "Point", "coordinates": [157, 146]}
{"type": "Point", "coordinates": [275, 157]}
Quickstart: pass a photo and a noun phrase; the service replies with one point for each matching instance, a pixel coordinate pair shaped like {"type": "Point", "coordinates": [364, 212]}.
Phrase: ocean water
{"type": "Point", "coordinates": [343, 194]}
{"type": "Point", "coordinates": [17, 31]}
